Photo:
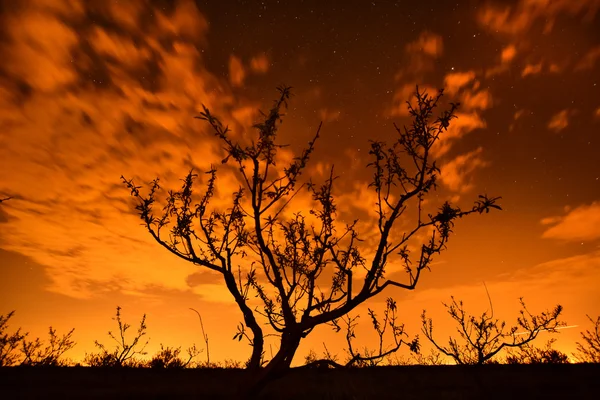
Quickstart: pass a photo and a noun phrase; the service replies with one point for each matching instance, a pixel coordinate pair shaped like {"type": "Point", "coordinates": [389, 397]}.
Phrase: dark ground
{"type": "Point", "coordinates": [574, 381]}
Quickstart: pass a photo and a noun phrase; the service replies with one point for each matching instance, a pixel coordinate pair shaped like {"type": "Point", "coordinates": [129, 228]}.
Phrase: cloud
{"type": "Point", "coordinates": [427, 43]}
{"type": "Point", "coordinates": [406, 93]}
{"type": "Point", "coordinates": [456, 174]}
{"type": "Point", "coordinates": [328, 115]}
{"type": "Point", "coordinates": [559, 121]}
{"type": "Point", "coordinates": [557, 68]}
{"type": "Point", "coordinates": [459, 127]}
{"type": "Point", "coordinates": [454, 81]}
{"type": "Point", "coordinates": [581, 223]}
{"type": "Point", "coordinates": [588, 61]}
{"type": "Point", "coordinates": [479, 100]}
{"type": "Point", "coordinates": [237, 73]}
{"type": "Point", "coordinates": [421, 55]}
{"type": "Point", "coordinates": [116, 100]}
{"type": "Point", "coordinates": [44, 61]}
{"type": "Point", "coordinates": [187, 22]}
{"type": "Point", "coordinates": [259, 64]}
{"type": "Point", "coordinates": [464, 87]}
{"type": "Point", "coordinates": [531, 69]}
{"type": "Point", "coordinates": [508, 54]}
{"type": "Point", "coordinates": [516, 20]}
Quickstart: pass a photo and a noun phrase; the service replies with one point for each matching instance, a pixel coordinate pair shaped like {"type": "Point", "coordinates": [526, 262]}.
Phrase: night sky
{"type": "Point", "coordinates": [92, 90]}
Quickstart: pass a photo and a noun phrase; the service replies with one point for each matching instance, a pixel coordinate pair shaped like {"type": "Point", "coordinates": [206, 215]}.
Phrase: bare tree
{"type": "Point", "coordinates": [35, 353]}
{"type": "Point", "coordinates": [485, 336]}
{"type": "Point", "coordinates": [9, 343]}
{"type": "Point", "coordinates": [304, 273]}
{"type": "Point", "coordinates": [589, 350]}
{"type": "Point", "coordinates": [125, 351]}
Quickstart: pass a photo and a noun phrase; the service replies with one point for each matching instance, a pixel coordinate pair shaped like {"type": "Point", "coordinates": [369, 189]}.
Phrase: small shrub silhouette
{"type": "Point", "coordinates": [588, 351]}
{"type": "Point", "coordinates": [169, 357]}
{"type": "Point", "coordinates": [35, 353]}
{"type": "Point", "coordinates": [124, 353]}
{"type": "Point", "coordinates": [434, 357]}
{"type": "Point", "coordinates": [528, 354]}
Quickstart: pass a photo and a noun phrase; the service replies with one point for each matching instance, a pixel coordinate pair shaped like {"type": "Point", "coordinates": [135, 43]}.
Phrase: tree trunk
{"type": "Point", "coordinates": [258, 341]}
{"type": "Point", "coordinates": [278, 366]}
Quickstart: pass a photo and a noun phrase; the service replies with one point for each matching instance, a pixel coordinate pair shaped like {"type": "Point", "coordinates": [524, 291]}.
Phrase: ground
{"type": "Point", "coordinates": [573, 381]}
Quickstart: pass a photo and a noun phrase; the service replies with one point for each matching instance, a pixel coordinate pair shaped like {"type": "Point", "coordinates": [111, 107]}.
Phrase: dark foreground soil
{"type": "Point", "coordinates": [575, 381]}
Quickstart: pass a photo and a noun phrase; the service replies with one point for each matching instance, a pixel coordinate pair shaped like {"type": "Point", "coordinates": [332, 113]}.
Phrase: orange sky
{"type": "Point", "coordinates": [90, 91]}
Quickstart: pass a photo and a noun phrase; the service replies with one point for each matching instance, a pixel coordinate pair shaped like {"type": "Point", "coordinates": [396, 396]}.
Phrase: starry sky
{"type": "Point", "coordinates": [92, 90]}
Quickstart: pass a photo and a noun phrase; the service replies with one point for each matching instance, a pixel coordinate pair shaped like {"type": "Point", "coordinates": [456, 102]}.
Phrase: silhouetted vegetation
{"type": "Point", "coordinates": [15, 349]}
{"type": "Point", "coordinates": [528, 354]}
{"type": "Point", "coordinates": [9, 343]}
{"type": "Point", "coordinates": [36, 353]}
{"type": "Point", "coordinates": [125, 350]}
{"type": "Point", "coordinates": [204, 336]}
{"type": "Point", "coordinates": [169, 357]}
{"type": "Point", "coordinates": [589, 350]}
{"type": "Point", "coordinates": [485, 336]}
{"type": "Point", "coordinates": [290, 256]}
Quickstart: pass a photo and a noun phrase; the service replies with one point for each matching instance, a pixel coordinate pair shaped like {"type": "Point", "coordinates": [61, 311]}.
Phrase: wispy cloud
{"type": "Point", "coordinates": [427, 43]}
{"type": "Point", "coordinates": [259, 64]}
{"type": "Point", "coordinates": [559, 121]}
{"type": "Point", "coordinates": [531, 69]}
{"type": "Point", "coordinates": [517, 19]}
{"type": "Point", "coordinates": [588, 61]}
{"type": "Point", "coordinates": [454, 81]}
{"type": "Point", "coordinates": [457, 174]}
{"type": "Point", "coordinates": [581, 223]}
{"type": "Point", "coordinates": [237, 73]}
{"type": "Point", "coordinates": [464, 124]}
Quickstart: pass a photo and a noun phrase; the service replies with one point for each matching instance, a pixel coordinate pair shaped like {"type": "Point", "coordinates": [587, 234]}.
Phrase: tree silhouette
{"type": "Point", "coordinates": [484, 337]}
{"type": "Point", "coordinates": [589, 350]}
{"type": "Point", "coordinates": [124, 351]}
{"type": "Point", "coordinates": [9, 343]}
{"type": "Point", "coordinates": [302, 271]}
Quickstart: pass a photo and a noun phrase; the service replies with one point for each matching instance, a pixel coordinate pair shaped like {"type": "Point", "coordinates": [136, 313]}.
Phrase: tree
{"type": "Point", "coordinates": [484, 337]}
{"type": "Point", "coordinates": [528, 354]}
{"type": "Point", "coordinates": [589, 350]}
{"type": "Point", "coordinates": [304, 272]}
{"type": "Point", "coordinates": [9, 343]}
{"type": "Point", "coordinates": [124, 353]}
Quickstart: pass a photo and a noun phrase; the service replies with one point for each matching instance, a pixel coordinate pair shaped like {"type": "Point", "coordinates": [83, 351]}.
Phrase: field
{"type": "Point", "coordinates": [571, 381]}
